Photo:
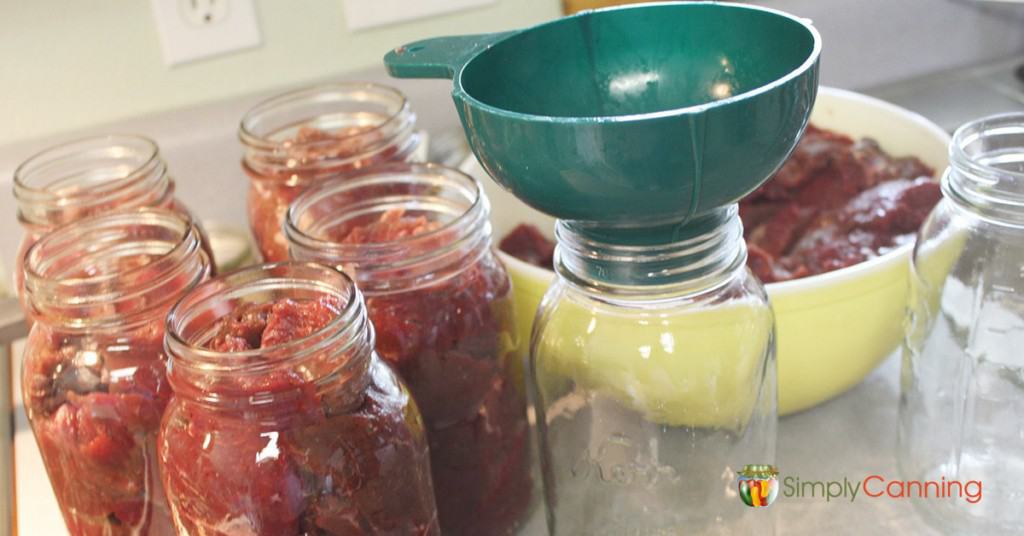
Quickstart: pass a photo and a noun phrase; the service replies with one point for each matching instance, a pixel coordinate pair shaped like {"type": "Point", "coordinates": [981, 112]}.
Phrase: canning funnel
{"type": "Point", "coordinates": [639, 116]}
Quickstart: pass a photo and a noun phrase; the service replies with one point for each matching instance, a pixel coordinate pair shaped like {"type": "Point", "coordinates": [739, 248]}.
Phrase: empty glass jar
{"type": "Point", "coordinates": [963, 368]}
{"type": "Point", "coordinates": [297, 138]}
{"type": "Point", "coordinates": [653, 365]}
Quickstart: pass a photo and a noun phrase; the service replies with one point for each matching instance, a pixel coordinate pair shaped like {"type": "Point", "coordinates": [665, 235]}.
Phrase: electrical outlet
{"type": "Point", "coordinates": [204, 12]}
{"type": "Point", "coordinates": [362, 14]}
{"type": "Point", "coordinates": [195, 29]}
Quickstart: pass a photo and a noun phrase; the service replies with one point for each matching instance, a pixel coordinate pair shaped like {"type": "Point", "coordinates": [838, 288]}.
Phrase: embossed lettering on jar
{"type": "Point", "coordinates": [93, 380]}
{"type": "Point", "coordinates": [304, 136]}
{"type": "Point", "coordinates": [418, 241]}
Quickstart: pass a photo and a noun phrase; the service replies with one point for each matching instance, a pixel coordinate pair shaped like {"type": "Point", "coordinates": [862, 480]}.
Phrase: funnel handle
{"type": "Point", "coordinates": [439, 57]}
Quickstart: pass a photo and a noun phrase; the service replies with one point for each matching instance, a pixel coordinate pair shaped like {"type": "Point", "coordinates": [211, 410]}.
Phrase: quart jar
{"type": "Point", "coordinates": [307, 135]}
{"type": "Point", "coordinates": [87, 177]}
{"type": "Point", "coordinates": [93, 380]}
{"type": "Point", "coordinates": [653, 365]}
{"type": "Point", "coordinates": [417, 240]}
{"type": "Point", "coordinates": [284, 421]}
{"type": "Point", "coordinates": [962, 402]}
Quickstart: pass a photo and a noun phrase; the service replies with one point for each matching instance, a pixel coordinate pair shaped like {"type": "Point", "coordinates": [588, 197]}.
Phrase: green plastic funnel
{"type": "Point", "coordinates": [640, 115]}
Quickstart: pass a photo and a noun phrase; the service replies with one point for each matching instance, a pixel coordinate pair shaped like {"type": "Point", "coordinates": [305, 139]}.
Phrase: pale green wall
{"type": "Point", "coordinates": [66, 64]}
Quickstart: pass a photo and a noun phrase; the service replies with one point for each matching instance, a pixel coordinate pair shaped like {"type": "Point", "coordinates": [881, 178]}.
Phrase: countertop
{"type": "Point", "coordinates": [853, 437]}
{"type": "Point", "coordinates": [950, 98]}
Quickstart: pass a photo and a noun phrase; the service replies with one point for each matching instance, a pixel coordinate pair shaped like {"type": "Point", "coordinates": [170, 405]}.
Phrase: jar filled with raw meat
{"type": "Point", "coordinates": [304, 136]}
{"type": "Point", "coordinates": [94, 382]}
{"type": "Point", "coordinates": [284, 421]}
{"type": "Point", "coordinates": [88, 177]}
{"type": "Point", "coordinates": [417, 240]}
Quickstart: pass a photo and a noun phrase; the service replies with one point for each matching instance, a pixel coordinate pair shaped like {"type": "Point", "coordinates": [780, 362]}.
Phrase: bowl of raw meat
{"type": "Point", "coordinates": [830, 235]}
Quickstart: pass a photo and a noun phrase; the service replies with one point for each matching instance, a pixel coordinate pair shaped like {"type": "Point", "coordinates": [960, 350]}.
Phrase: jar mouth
{"type": "Point", "coordinates": [606, 242]}
{"type": "Point", "coordinates": [450, 203]}
{"type": "Point", "coordinates": [986, 173]}
{"type": "Point", "coordinates": [189, 323]}
{"type": "Point", "coordinates": [698, 257]}
{"type": "Point", "coordinates": [263, 125]}
{"type": "Point", "coordinates": [367, 193]}
{"type": "Point", "coordinates": [85, 172]}
{"type": "Point", "coordinates": [992, 149]}
{"type": "Point", "coordinates": [112, 267]}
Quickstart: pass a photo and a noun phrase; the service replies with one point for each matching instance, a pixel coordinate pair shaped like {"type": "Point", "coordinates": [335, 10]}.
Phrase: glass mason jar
{"type": "Point", "coordinates": [284, 421]}
{"type": "Point", "coordinates": [418, 240]}
{"type": "Point", "coordinates": [963, 370]}
{"type": "Point", "coordinates": [654, 374]}
{"type": "Point", "coordinates": [85, 178]}
{"type": "Point", "coordinates": [307, 135]}
{"type": "Point", "coordinates": [93, 380]}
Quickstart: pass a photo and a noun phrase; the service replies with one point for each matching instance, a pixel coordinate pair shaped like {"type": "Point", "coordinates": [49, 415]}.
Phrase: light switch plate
{"type": "Point", "coordinates": [195, 29]}
{"type": "Point", "coordinates": [362, 14]}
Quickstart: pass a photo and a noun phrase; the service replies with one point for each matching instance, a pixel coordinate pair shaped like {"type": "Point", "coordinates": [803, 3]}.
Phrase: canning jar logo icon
{"type": "Point", "coordinates": [759, 484]}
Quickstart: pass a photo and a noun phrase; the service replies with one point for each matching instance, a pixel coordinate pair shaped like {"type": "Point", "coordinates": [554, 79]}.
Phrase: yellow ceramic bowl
{"type": "Point", "coordinates": [833, 328]}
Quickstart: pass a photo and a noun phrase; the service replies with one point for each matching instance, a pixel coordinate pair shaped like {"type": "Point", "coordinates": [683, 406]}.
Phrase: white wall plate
{"type": "Point", "coordinates": [194, 29]}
